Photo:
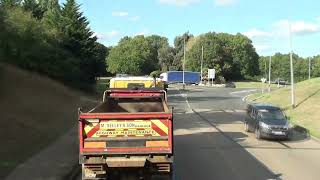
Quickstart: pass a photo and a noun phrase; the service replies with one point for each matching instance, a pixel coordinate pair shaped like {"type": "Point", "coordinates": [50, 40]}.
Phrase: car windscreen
{"type": "Point", "coordinates": [267, 114]}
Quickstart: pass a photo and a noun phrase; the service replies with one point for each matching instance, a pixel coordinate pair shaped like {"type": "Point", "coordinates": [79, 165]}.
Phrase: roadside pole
{"type": "Point", "coordinates": [309, 67]}
{"type": "Point", "coordinates": [184, 60]}
{"type": "Point", "coordinates": [265, 69]}
{"type": "Point", "coordinates": [269, 88]}
{"type": "Point", "coordinates": [201, 64]}
{"type": "Point", "coordinates": [291, 69]}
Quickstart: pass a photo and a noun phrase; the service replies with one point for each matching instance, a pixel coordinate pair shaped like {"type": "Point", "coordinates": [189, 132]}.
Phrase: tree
{"type": "Point", "coordinates": [10, 3]}
{"type": "Point", "coordinates": [130, 56]}
{"type": "Point", "coordinates": [34, 7]}
{"type": "Point", "coordinates": [156, 42]}
{"type": "Point", "coordinates": [78, 39]}
{"type": "Point", "coordinates": [166, 56]}
{"type": "Point", "coordinates": [232, 56]}
{"type": "Point", "coordinates": [280, 67]}
{"type": "Point", "coordinates": [179, 48]}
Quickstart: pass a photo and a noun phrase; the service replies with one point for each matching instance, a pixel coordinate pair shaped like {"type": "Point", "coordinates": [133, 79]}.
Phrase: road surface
{"type": "Point", "coordinates": [210, 142]}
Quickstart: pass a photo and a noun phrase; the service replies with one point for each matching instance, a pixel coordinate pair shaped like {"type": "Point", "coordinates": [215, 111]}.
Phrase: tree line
{"type": "Point", "coordinates": [232, 56]}
{"type": "Point", "coordinates": [56, 40]}
{"type": "Point", "coordinates": [51, 39]}
{"type": "Point", "coordinates": [280, 67]}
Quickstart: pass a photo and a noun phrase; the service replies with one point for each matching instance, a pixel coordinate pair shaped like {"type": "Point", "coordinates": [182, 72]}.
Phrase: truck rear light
{"type": "Point", "coordinates": [95, 144]}
{"type": "Point", "coordinates": [157, 144]}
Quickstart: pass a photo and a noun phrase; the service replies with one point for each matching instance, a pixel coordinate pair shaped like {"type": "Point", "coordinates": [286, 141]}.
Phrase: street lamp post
{"type": "Point", "coordinates": [201, 63]}
{"type": "Point", "coordinates": [291, 69]}
{"type": "Point", "coordinates": [269, 88]}
{"type": "Point", "coordinates": [309, 67]}
{"type": "Point", "coordinates": [184, 61]}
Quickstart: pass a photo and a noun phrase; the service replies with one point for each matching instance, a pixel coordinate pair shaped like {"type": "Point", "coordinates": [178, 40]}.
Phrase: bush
{"type": "Point", "coordinates": [220, 80]}
{"type": "Point", "coordinates": [155, 74]}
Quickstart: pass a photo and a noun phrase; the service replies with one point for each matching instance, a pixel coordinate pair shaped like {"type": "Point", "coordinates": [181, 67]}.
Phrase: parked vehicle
{"type": "Point", "coordinates": [280, 81]}
{"type": "Point", "coordinates": [136, 82]}
{"type": "Point", "coordinates": [129, 129]}
{"type": "Point", "coordinates": [177, 77]}
{"type": "Point", "coordinates": [267, 121]}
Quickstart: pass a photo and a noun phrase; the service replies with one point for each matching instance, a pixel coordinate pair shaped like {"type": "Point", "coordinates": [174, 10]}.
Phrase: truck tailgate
{"type": "Point", "coordinates": [125, 133]}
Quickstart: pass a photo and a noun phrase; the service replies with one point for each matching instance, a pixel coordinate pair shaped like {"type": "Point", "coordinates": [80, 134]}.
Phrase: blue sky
{"type": "Point", "coordinates": [266, 22]}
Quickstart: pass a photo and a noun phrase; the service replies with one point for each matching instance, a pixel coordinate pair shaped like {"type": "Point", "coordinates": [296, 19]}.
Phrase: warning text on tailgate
{"type": "Point", "coordinates": [130, 128]}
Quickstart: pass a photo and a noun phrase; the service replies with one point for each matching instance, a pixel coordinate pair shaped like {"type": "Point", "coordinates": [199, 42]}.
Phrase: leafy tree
{"type": "Point", "coordinates": [59, 45]}
{"type": "Point", "coordinates": [78, 39]}
{"type": "Point", "coordinates": [156, 42]}
{"type": "Point", "coordinates": [166, 56]}
{"type": "Point", "coordinates": [232, 56]}
{"type": "Point", "coordinates": [280, 67]}
{"type": "Point", "coordinates": [179, 49]}
{"type": "Point", "coordinates": [34, 7]}
{"type": "Point", "coordinates": [130, 56]}
{"type": "Point", "coordinates": [10, 3]}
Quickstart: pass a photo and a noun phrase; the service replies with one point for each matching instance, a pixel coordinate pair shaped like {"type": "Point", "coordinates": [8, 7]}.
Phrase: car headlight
{"type": "Point", "coordinates": [264, 125]}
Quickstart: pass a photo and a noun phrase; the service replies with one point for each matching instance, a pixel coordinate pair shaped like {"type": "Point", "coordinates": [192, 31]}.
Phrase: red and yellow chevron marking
{"type": "Point", "coordinates": [127, 128]}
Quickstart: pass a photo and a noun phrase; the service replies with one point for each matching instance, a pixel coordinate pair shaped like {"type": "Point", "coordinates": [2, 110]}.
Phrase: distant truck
{"type": "Point", "coordinates": [171, 77]}
{"type": "Point", "coordinates": [130, 129]}
{"type": "Point", "coordinates": [136, 82]}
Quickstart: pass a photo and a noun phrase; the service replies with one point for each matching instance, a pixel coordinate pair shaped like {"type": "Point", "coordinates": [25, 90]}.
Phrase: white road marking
{"type": "Point", "coordinates": [186, 97]}
{"type": "Point", "coordinates": [244, 98]}
{"type": "Point", "coordinates": [243, 91]}
{"type": "Point", "coordinates": [219, 111]}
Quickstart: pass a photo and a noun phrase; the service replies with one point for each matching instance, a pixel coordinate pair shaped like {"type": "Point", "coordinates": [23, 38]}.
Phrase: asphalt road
{"type": "Point", "coordinates": [211, 144]}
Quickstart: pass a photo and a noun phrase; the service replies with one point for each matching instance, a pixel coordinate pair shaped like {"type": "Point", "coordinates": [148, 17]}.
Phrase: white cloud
{"type": "Point", "coordinates": [255, 33]}
{"type": "Point", "coordinates": [178, 2]}
{"type": "Point", "coordinates": [297, 27]}
{"type": "Point", "coordinates": [120, 13]}
{"type": "Point", "coordinates": [107, 35]}
{"type": "Point", "coordinates": [134, 18]}
{"type": "Point", "coordinates": [262, 47]}
{"type": "Point", "coordinates": [224, 2]}
{"type": "Point", "coordinates": [144, 32]}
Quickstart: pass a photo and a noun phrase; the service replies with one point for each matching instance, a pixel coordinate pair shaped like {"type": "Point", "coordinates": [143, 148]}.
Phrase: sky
{"type": "Point", "coordinates": [265, 22]}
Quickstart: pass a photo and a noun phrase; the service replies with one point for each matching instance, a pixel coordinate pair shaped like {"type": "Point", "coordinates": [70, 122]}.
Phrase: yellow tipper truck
{"type": "Point", "coordinates": [136, 82]}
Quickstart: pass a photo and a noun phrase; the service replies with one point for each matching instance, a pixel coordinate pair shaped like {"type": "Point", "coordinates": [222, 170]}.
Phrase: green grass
{"type": "Point", "coordinates": [307, 95]}
{"type": "Point", "coordinates": [251, 84]}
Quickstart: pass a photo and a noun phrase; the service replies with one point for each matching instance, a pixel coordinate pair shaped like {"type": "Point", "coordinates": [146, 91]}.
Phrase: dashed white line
{"type": "Point", "coordinates": [186, 97]}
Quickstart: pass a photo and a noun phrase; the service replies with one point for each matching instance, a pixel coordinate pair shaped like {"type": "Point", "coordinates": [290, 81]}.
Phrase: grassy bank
{"type": "Point", "coordinates": [307, 95]}
{"type": "Point", "coordinates": [36, 111]}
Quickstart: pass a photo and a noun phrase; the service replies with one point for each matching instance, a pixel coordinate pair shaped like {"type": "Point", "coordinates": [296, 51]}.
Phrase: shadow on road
{"type": "Point", "coordinates": [222, 118]}
{"type": "Point", "coordinates": [203, 152]}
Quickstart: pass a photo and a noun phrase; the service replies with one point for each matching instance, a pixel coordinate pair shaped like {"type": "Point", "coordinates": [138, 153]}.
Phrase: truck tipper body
{"type": "Point", "coordinates": [130, 129]}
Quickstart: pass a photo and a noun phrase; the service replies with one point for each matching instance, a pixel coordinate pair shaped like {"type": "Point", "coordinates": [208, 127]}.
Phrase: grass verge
{"type": "Point", "coordinates": [306, 112]}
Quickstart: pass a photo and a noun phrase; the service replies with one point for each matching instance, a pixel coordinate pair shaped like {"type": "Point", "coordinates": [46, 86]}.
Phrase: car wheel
{"type": "Point", "coordinates": [289, 136]}
{"type": "Point", "coordinates": [258, 133]}
{"type": "Point", "coordinates": [246, 127]}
